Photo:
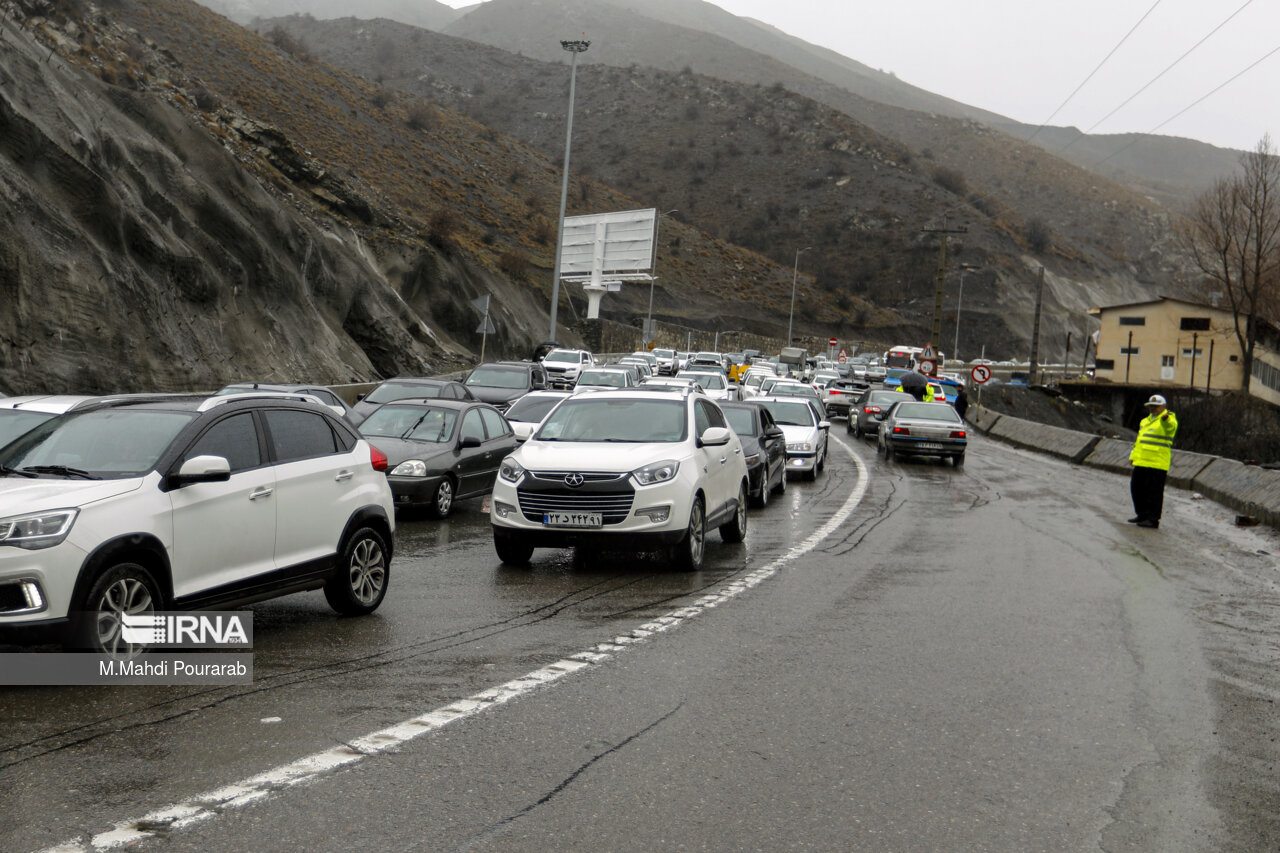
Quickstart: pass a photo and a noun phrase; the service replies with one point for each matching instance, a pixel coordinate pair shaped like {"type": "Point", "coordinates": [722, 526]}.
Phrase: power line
{"type": "Point", "coordinates": [1096, 69]}
{"type": "Point", "coordinates": [1128, 100]}
{"type": "Point", "coordinates": [1193, 104]}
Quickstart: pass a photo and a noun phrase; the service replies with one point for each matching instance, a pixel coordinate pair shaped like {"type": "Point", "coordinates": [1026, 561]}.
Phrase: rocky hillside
{"type": "Point", "coordinates": [189, 203]}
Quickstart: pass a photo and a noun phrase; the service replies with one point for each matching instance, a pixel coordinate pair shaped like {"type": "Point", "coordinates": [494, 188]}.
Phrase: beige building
{"type": "Point", "coordinates": [1177, 343]}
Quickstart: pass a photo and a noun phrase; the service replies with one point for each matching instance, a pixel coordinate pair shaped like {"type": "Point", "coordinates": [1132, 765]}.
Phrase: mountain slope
{"type": "Point", "coordinates": [776, 172]}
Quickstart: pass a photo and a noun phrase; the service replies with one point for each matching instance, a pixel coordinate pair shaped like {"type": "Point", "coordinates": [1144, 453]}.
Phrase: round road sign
{"type": "Point", "coordinates": [832, 342]}
{"type": "Point", "coordinates": [844, 359]}
{"type": "Point", "coordinates": [927, 367]}
{"type": "Point", "coordinates": [980, 373]}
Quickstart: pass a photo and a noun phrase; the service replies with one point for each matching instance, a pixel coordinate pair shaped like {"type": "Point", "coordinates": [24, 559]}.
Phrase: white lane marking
{"type": "Point", "coordinates": [203, 807]}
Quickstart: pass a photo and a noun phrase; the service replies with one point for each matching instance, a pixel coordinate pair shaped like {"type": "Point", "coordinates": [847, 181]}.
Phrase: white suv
{"type": "Point", "coordinates": [635, 470]}
{"type": "Point", "coordinates": [139, 504]}
{"type": "Point", "coordinates": [565, 365]}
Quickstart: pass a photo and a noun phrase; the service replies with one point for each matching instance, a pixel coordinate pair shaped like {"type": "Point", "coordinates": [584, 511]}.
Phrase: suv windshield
{"type": "Point", "coordinates": [497, 377]}
{"type": "Point", "coordinates": [623, 420]}
{"type": "Point", "coordinates": [108, 443]}
{"type": "Point", "coordinates": [417, 423]}
{"type": "Point", "coordinates": [389, 391]}
{"type": "Point", "coordinates": [14, 422]}
{"type": "Point", "coordinates": [707, 381]}
{"type": "Point", "coordinates": [563, 356]}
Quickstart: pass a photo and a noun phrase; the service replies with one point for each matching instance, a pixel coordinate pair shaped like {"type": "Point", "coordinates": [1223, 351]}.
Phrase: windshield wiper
{"type": "Point", "coordinates": [5, 471]}
{"type": "Point", "coordinates": [60, 469]}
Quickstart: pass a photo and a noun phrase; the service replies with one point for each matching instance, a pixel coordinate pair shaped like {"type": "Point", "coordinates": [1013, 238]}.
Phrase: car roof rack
{"type": "Point", "coordinates": [295, 396]}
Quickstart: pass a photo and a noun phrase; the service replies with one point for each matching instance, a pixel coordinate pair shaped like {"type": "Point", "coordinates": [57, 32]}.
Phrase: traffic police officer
{"type": "Point", "coordinates": [1152, 452]}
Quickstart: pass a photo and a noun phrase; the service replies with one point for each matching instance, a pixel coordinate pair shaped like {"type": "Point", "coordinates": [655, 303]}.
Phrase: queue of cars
{"type": "Point", "coordinates": [121, 505]}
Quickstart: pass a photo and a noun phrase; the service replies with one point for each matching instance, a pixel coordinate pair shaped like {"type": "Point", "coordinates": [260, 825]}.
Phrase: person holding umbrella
{"type": "Point", "coordinates": [915, 384]}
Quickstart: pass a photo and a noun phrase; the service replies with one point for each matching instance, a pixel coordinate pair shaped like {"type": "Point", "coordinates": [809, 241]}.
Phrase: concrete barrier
{"type": "Point", "coordinates": [1056, 441]}
{"type": "Point", "coordinates": [1113, 455]}
{"type": "Point", "coordinates": [982, 419]}
{"type": "Point", "coordinates": [1246, 488]}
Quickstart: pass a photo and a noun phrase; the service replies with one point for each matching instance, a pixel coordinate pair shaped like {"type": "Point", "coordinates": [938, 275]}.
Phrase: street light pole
{"type": "Point", "coordinates": [794, 273]}
{"type": "Point", "coordinates": [648, 323]}
{"type": "Point", "coordinates": [955, 347]}
{"type": "Point", "coordinates": [574, 47]}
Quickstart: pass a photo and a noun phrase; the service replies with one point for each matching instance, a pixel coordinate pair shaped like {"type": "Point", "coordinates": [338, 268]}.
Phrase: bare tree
{"type": "Point", "coordinates": [1234, 238]}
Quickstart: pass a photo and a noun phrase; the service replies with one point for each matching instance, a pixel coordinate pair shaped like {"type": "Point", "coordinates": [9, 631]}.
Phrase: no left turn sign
{"type": "Point", "coordinates": [980, 373]}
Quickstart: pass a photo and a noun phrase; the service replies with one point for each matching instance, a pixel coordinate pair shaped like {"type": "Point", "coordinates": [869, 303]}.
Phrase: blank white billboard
{"type": "Point", "coordinates": [608, 243]}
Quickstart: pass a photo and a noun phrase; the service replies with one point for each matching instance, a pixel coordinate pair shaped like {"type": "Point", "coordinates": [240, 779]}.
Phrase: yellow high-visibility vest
{"type": "Point", "coordinates": [1154, 445]}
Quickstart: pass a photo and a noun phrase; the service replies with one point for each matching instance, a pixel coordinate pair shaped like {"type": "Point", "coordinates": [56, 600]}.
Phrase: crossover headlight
{"type": "Point", "coordinates": [410, 468]}
{"type": "Point", "coordinates": [799, 447]}
{"type": "Point", "coordinates": [511, 470]}
{"type": "Point", "coordinates": [753, 459]}
{"type": "Point", "coordinates": [38, 529]}
{"type": "Point", "coordinates": [656, 472]}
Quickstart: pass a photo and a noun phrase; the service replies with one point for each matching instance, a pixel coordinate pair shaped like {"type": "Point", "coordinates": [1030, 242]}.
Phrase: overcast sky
{"type": "Point", "coordinates": [1024, 58]}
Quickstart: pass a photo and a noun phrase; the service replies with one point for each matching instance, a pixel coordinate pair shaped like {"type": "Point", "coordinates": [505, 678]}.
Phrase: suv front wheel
{"type": "Point", "coordinates": [687, 554]}
{"type": "Point", "coordinates": [736, 530]}
{"type": "Point", "coordinates": [123, 588]}
{"type": "Point", "coordinates": [360, 582]}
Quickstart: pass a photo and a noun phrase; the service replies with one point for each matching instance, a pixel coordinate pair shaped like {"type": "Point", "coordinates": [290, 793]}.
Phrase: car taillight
{"type": "Point", "coordinates": [377, 458]}
{"type": "Point", "coordinates": [957, 433]}
{"type": "Point", "coordinates": [901, 431]}
{"type": "Point", "coordinates": [872, 410]}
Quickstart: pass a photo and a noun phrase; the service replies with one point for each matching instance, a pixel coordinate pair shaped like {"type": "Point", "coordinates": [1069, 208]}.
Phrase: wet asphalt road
{"type": "Point", "coordinates": [986, 658]}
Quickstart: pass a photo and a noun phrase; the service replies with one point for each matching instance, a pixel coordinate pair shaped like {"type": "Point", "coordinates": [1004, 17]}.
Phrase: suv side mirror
{"type": "Point", "coordinates": [773, 432]}
{"type": "Point", "coordinates": [715, 437]}
{"type": "Point", "coordinates": [202, 469]}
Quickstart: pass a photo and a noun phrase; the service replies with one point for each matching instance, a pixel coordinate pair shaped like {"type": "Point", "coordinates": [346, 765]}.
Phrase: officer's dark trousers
{"type": "Point", "coordinates": [1147, 488]}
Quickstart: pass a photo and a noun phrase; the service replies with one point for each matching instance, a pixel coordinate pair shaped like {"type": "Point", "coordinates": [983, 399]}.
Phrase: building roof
{"type": "Point", "coordinates": [1157, 300]}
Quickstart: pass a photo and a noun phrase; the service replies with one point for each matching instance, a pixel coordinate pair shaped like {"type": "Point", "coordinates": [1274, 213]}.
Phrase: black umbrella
{"type": "Point", "coordinates": [914, 384]}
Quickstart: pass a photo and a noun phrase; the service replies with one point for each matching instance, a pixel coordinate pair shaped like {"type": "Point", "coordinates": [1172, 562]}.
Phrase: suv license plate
{"type": "Point", "coordinates": [573, 519]}
{"type": "Point", "coordinates": [929, 445]}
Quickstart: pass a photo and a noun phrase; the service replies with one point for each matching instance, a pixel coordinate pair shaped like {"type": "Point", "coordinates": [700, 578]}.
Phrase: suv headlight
{"type": "Point", "coordinates": [511, 470]}
{"type": "Point", "coordinates": [656, 472]}
{"type": "Point", "coordinates": [38, 529]}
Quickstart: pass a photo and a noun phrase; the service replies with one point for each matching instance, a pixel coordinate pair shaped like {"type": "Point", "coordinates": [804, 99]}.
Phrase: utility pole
{"type": "Point", "coordinates": [942, 276]}
{"type": "Point", "coordinates": [1035, 334]}
{"type": "Point", "coordinates": [1194, 337]}
{"type": "Point", "coordinates": [574, 47]}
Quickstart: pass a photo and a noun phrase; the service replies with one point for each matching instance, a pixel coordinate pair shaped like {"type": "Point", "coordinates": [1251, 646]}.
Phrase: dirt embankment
{"type": "Point", "coordinates": [1048, 407]}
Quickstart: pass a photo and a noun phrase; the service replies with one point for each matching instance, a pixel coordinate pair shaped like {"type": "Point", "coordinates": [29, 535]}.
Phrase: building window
{"type": "Point", "coordinates": [1186, 352]}
{"type": "Point", "coordinates": [1166, 361]}
{"type": "Point", "coordinates": [1195, 324]}
{"type": "Point", "coordinates": [1266, 374]}
{"type": "Point", "coordinates": [1133, 321]}
{"type": "Point", "coordinates": [1234, 358]}
{"type": "Point", "coordinates": [1105, 364]}
{"type": "Point", "coordinates": [1129, 350]}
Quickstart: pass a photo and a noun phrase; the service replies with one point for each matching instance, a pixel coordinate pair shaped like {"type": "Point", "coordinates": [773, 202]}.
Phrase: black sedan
{"type": "Point", "coordinates": [439, 451]}
{"type": "Point", "coordinates": [866, 413]}
{"type": "Point", "coordinates": [407, 388]}
{"type": "Point", "coordinates": [763, 445]}
{"type": "Point", "coordinates": [923, 429]}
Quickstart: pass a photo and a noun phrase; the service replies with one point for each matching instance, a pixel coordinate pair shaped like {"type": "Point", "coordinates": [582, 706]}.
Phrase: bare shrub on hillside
{"type": "Point", "coordinates": [443, 225]}
{"type": "Point", "coordinates": [950, 180]}
{"type": "Point", "coordinates": [1038, 235]}
{"type": "Point", "coordinates": [514, 264]}
{"type": "Point", "coordinates": [421, 116]}
{"type": "Point", "coordinates": [288, 43]}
